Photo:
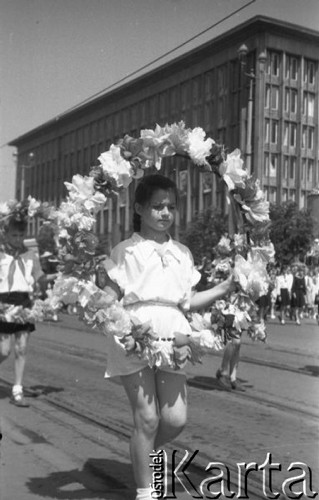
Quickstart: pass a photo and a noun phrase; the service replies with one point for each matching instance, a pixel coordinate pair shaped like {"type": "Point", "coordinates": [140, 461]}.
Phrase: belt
{"type": "Point", "coordinates": [153, 303]}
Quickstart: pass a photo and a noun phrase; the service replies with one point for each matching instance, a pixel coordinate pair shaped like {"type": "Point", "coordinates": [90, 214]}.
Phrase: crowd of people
{"type": "Point", "coordinates": [293, 293]}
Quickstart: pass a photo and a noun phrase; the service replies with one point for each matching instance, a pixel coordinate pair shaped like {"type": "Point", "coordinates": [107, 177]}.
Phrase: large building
{"type": "Point", "coordinates": [254, 87]}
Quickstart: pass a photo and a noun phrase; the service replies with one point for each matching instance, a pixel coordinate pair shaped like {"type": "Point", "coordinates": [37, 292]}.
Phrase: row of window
{"type": "Point", "coordinates": [289, 168]}
{"type": "Point", "coordinates": [272, 95]}
{"type": "Point", "coordinates": [272, 195]}
{"type": "Point", "coordinates": [289, 136]}
{"type": "Point", "coordinates": [211, 86]}
{"type": "Point", "coordinates": [291, 67]}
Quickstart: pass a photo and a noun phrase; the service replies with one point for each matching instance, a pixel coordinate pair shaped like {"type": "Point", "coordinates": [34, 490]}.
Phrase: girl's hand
{"type": "Point", "coordinates": [128, 342]}
{"type": "Point", "coordinates": [196, 353]}
{"type": "Point", "coordinates": [230, 283]}
{"type": "Point", "coordinates": [104, 298]}
{"type": "Point", "coordinates": [182, 355]}
{"type": "Point", "coordinates": [180, 339]}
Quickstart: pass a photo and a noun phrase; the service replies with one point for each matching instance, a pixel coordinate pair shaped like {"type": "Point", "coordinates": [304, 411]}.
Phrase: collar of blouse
{"type": "Point", "coordinates": [146, 248]}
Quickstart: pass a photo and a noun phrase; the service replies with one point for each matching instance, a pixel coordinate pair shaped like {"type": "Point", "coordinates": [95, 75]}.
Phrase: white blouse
{"type": "Point", "coordinates": [24, 274]}
{"type": "Point", "coordinates": [148, 272]}
{"type": "Point", "coordinates": [284, 281]}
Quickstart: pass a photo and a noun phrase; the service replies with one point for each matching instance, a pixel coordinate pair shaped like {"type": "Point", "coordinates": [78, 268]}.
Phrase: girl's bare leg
{"type": "Point", "coordinates": [227, 357]}
{"type": "Point", "coordinates": [20, 348]}
{"type": "Point", "coordinates": [140, 388]}
{"type": "Point", "coordinates": [172, 402]}
{"type": "Point", "coordinates": [234, 361]}
{"type": "Point", "coordinates": [5, 346]}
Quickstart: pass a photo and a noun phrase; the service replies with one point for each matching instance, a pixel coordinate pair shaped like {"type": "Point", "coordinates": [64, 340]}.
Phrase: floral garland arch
{"type": "Point", "coordinates": [245, 250]}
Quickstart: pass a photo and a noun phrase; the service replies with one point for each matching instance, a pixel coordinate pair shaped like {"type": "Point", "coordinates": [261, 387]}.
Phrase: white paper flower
{"type": "Point", "coordinates": [224, 245]}
{"type": "Point", "coordinates": [66, 289]}
{"type": "Point", "coordinates": [95, 203]}
{"type": "Point", "coordinates": [266, 252]}
{"type": "Point", "coordinates": [87, 291]}
{"type": "Point", "coordinates": [199, 148]}
{"type": "Point", "coordinates": [83, 221]}
{"type": "Point", "coordinates": [241, 320]}
{"type": "Point", "coordinates": [156, 146]}
{"type": "Point", "coordinates": [4, 209]}
{"type": "Point", "coordinates": [163, 353]}
{"type": "Point", "coordinates": [257, 210]}
{"type": "Point", "coordinates": [116, 167]}
{"type": "Point", "coordinates": [257, 331]}
{"type": "Point", "coordinates": [117, 322]}
{"type": "Point", "coordinates": [252, 275]}
{"type": "Point", "coordinates": [80, 187]}
{"type": "Point", "coordinates": [63, 233]}
{"type": "Point", "coordinates": [34, 206]}
{"type": "Point", "coordinates": [207, 340]}
{"type": "Point", "coordinates": [232, 170]}
{"type": "Point", "coordinates": [82, 192]}
{"type": "Point", "coordinates": [239, 240]}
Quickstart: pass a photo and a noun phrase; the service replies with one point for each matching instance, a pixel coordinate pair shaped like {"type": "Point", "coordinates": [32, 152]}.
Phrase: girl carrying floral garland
{"type": "Point", "coordinates": [20, 270]}
{"type": "Point", "coordinates": [155, 276]}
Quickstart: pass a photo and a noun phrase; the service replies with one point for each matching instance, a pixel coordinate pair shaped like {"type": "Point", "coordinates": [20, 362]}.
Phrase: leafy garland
{"type": "Point", "coordinates": [245, 250]}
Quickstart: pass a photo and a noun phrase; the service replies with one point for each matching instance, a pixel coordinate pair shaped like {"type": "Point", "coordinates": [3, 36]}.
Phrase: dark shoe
{"type": "Point", "coordinates": [236, 386]}
{"type": "Point", "coordinates": [19, 400]}
{"type": "Point", "coordinates": [223, 381]}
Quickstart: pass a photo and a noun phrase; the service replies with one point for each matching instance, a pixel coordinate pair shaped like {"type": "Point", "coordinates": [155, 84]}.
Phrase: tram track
{"type": "Point", "coordinates": [52, 350]}
{"type": "Point", "coordinates": [191, 480]}
{"type": "Point", "coordinates": [204, 383]}
{"type": "Point", "coordinates": [195, 382]}
{"type": "Point", "coordinates": [98, 357]}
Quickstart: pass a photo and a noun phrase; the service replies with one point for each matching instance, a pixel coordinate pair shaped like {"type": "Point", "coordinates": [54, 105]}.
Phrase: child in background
{"type": "Point", "coordinates": [273, 292]}
{"type": "Point", "coordinates": [283, 287]}
{"type": "Point", "coordinates": [298, 292]}
{"type": "Point", "coordinates": [310, 293]}
{"type": "Point", "coordinates": [155, 277]}
{"type": "Point", "coordinates": [20, 270]}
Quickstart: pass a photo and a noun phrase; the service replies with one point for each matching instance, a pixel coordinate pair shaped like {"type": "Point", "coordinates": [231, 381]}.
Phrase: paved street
{"type": "Point", "coordinates": [72, 443]}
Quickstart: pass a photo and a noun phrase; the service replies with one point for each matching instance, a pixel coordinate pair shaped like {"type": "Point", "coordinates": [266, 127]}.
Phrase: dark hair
{"type": "Point", "coordinates": [145, 190]}
{"type": "Point", "coordinates": [16, 224]}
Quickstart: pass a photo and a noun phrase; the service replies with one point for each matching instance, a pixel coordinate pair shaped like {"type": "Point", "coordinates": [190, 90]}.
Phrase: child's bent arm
{"type": "Point", "coordinates": [201, 300]}
{"type": "Point", "coordinates": [105, 281]}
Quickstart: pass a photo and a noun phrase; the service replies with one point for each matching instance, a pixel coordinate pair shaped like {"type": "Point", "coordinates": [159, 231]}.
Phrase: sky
{"type": "Point", "coordinates": [55, 54]}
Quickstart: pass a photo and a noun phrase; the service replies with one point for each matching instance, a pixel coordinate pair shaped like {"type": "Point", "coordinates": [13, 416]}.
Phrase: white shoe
{"type": "Point", "coordinates": [298, 322]}
{"type": "Point", "coordinates": [283, 322]}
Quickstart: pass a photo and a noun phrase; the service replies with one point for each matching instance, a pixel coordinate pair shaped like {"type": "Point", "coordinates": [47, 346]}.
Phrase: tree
{"type": "Point", "coordinates": [204, 232]}
{"type": "Point", "coordinates": [291, 232]}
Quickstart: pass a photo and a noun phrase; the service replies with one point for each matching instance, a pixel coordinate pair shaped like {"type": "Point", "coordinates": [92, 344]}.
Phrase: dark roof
{"type": "Point", "coordinates": [252, 26]}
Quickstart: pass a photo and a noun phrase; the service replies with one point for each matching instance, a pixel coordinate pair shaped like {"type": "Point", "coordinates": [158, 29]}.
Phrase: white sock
{"type": "Point", "coordinates": [17, 389]}
{"type": "Point", "coordinates": [144, 494]}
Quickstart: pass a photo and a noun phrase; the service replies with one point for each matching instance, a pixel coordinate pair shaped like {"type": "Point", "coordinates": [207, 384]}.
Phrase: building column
{"type": "Point", "coordinates": [200, 192]}
{"type": "Point", "coordinates": [189, 196]}
{"type": "Point", "coordinates": [177, 216]}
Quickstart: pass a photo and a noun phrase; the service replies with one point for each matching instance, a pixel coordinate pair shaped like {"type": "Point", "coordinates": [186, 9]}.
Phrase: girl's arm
{"type": "Point", "coordinates": [104, 281]}
{"type": "Point", "coordinates": [201, 300]}
{"type": "Point", "coordinates": [45, 278]}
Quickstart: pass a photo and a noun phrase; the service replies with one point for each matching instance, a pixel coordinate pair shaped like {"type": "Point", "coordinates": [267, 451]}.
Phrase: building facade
{"type": "Point", "coordinates": [255, 87]}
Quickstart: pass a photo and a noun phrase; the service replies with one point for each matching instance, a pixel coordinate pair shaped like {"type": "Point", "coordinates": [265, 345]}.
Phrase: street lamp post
{"type": "Point", "coordinates": [25, 167]}
{"type": "Point", "coordinates": [242, 54]}
{"type": "Point", "coordinates": [250, 105]}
